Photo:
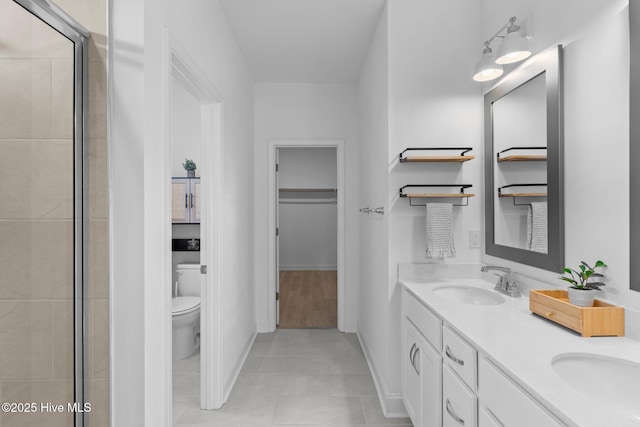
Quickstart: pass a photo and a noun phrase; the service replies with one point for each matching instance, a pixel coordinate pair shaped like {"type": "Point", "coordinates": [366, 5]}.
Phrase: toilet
{"type": "Point", "coordinates": [185, 312]}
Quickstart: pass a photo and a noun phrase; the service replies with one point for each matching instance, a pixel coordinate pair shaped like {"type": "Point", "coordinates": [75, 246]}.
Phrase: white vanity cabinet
{"type": "Point", "coordinates": [445, 382]}
{"type": "Point", "coordinates": [422, 378]}
{"type": "Point", "coordinates": [505, 403]}
{"type": "Point", "coordinates": [459, 401]}
{"type": "Point", "coordinates": [421, 363]}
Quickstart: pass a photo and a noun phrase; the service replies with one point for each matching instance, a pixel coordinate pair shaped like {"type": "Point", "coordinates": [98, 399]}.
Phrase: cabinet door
{"type": "Point", "coordinates": [485, 419]}
{"type": "Point", "coordinates": [459, 404]}
{"type": "Point", "coordinates": [194, 202]}
{"type": "Point", "coordinates": [508, 403]}
{"type": "Point", "coordinates": [422, 378]}
{"type": "Point", "coordinates": [179, 200]}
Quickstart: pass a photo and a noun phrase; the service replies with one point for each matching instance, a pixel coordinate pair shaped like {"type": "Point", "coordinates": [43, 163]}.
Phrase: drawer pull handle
{"type": "Point", "coordinates": [549, 314]}
{"type": "Point", "coordinates": [413, 362]}
{"type": "Point", "coordinates": [452, 413]}
{"type": "Point", "coordinates": [413, 347]}
{"type": "Point", "coordinates": [450, 355]}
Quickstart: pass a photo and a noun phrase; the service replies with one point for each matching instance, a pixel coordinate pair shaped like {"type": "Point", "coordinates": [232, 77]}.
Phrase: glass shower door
{"type": "Point", "coordinates": [40, 223]}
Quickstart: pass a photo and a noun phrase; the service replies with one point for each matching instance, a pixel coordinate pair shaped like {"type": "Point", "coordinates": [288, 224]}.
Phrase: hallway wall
{"type": "Point", "coordinates": [414, 92]}
{"type": "Point", "coordinates": [305, 111]}
{"type": "Point", "coordinates": [137, 134]}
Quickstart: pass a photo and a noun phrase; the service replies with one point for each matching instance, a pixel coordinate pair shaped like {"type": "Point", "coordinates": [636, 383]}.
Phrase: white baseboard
{"type": "Point", "coordinates": [391, 403]}
{"type": "Point", "coordinates": [263, 327]}
{"type": "Point", "coordinates": [233, 377]}
{"type": "Point", "coordinates": [307, 267]}
{"type": "Point", "coordinates": [350, 327]}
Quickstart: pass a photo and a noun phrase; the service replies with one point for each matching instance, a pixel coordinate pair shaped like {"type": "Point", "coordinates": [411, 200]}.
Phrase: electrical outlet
{"type": "Point", "coordinates": [474, 238]}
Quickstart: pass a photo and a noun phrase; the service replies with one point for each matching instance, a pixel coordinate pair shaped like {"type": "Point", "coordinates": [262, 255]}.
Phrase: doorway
{"type": "Point", "coordinates": [193, 113]}
{"type": "Point", "coordinates": [306, 255]}
{"type": "Point", "coordinates": [307, 237]}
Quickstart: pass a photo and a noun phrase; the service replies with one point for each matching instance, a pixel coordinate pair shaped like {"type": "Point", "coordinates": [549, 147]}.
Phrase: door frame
{"type": "Point", "coordinates": [178, 64]}
{"type": "Point", "coordinates": [274, 144]}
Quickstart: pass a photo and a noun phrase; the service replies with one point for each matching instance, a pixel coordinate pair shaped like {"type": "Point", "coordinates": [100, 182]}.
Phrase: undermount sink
{"type": "Point", "coordinates": [608, 380]}
{"type": "Point", "coordinates": [469, 295]}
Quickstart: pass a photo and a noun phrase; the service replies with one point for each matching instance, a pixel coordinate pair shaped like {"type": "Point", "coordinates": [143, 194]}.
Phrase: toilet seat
{"type": "Point", "coordinates": [184, 305]}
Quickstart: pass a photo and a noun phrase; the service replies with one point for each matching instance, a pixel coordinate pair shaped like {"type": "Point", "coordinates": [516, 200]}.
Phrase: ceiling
{"type": "Point", "coordinates": [304, 41]}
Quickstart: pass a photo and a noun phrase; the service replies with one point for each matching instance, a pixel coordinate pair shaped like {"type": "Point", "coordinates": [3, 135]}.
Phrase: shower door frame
{"type": "Point", "coordinates": [56, 18]}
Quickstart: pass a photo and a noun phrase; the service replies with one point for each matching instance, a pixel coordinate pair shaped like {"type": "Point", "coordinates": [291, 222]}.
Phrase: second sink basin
{"type": "Point", "coordinates": [607, 379]}
{"type": "Point", "coordinates": [469, 295]}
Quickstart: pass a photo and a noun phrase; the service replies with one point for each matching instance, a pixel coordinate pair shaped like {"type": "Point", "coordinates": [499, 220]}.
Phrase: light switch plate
{"type": "Point", "coordinates": [474, 238]}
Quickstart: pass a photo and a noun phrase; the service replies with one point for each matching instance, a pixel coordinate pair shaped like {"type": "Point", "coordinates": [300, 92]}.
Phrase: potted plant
{"type": "Point", "coordinates": [190, 166]}
{"type": "Point", "coordinates": [581, 289]}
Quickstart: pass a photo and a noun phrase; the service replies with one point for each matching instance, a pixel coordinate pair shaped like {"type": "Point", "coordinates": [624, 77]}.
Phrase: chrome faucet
{"type": "Point", "coordinates": [505, 283]}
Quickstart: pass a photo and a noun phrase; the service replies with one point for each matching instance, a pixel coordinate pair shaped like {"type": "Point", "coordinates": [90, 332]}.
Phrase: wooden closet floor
{"type": "Point", "coordinates": [308, 299]}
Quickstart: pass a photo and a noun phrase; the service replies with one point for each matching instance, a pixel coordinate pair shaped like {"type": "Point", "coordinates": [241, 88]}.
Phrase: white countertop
{"type": "Point", "coordinates": [523, 345]}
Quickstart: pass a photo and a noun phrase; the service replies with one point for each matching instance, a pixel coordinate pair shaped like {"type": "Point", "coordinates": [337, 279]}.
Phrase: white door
{"type": "Point", "coordinates": [277, 296]}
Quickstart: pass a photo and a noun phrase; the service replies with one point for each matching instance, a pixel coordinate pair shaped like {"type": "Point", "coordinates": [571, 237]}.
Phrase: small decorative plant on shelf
{"type": "Point", "coordinates": [581, 283]}
{"type": "Point", "coordinates": [190, 166]}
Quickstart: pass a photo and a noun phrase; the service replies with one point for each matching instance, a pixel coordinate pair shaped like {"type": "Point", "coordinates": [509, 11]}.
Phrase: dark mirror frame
{"type": "Point", "coordinates": [634, 140]}
{"type": "Point", "coordinates": [550, 63]}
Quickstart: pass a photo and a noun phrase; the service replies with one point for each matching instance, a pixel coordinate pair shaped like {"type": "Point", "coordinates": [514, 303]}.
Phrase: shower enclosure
{"type": "Point", "coordinates": [43, 54]}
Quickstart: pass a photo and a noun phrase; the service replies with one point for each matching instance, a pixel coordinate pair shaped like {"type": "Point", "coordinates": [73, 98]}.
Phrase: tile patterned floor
{"type": "Point", "coordinates": [293, 377]}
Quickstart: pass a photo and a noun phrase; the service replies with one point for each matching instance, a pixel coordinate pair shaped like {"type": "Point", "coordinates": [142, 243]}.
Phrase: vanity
{"type": "Point", "coordinates": [476, 358]}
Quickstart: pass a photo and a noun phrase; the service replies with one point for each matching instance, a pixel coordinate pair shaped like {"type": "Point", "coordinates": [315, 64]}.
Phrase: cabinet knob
{"type": "Point", "coordinates": [549, 313]}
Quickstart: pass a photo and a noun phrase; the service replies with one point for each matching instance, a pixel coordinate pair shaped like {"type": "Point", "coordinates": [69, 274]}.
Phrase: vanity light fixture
{"type": "Point", "coordinates": [486, 69]}
{"type": "Point", "coordinates": [514, 48]}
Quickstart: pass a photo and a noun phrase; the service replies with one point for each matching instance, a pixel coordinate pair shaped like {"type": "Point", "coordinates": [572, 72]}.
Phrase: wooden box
{"type": "Point", "coordinates": [600, 320]}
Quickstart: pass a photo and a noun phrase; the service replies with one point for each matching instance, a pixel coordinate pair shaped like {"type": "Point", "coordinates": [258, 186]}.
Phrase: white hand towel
{"type": "Point", "coordinates": [439, 229]}
{"type": "Point", "coordinates": [537, 230]}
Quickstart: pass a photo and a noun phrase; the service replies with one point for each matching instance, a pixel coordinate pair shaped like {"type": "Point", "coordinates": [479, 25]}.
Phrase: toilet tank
{"type": "Point", "coordinates": [189, 279]}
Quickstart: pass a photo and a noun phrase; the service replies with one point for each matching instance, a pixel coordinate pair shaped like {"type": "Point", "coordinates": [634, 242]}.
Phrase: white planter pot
{"type": "Point", "coordinates": [583, 298]}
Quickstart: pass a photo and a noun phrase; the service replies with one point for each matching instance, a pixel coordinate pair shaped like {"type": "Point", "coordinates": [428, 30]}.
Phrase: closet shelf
{"type": "Point", "coordinates": [308, 190]}
{"type": "Point", "coordinates": [461, 158]}
{"type": "Point", "coordinates": [300, 196]}
{"type": "Point", "coordinates": [522, 157]}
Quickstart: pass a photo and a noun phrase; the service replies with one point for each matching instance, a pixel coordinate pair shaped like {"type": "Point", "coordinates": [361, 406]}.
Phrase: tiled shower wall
{"type": "Point", "coordinates": [36, 320]}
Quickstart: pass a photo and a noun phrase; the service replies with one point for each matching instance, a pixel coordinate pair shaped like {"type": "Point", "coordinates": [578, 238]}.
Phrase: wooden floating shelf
{"type": "Point", "coordinates": [522, 158]}
{"type": "Point", "coordinates": [523, 195]}
{"type": "Point", "coordinates": [438, 158]}
{"type": "Point", "coordinates": [463, 157]}
{"type": "Point", "coordinates": [458, 195]}
{"type": "Point", "coordinates": [602, 319]}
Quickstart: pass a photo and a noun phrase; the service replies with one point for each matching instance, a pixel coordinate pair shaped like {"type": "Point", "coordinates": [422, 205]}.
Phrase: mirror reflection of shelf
{"type": "Point", "coordinates": [437, 157]}
{"type": "Point", "coordinates": [501, 193]}
{"type": "Point", "coordinates": [523, 154]}
{"type": "Point", "coordinates": [424, 195]}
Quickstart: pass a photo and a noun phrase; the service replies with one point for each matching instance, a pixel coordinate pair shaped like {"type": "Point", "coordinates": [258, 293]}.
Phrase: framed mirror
{"type": "Point", "coordinates": [524, 212]}
{"type": "Point", "coordinates": [634, 136]}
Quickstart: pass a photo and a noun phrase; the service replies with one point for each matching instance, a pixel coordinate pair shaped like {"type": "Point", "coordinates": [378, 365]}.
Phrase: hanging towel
{"type": "Point", "coordinates": [439, 228]}
{"type": "Point", "coordinates": [537, 230]}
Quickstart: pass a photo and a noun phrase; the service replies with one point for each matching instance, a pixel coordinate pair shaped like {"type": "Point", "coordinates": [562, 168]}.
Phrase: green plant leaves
{"type": "Point", "coordinates": [581, 278]}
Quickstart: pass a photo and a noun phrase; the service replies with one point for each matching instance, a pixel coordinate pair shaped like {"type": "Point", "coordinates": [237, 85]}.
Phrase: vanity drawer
{"type": "Point", "coordinates": [507, 402]}
{"type": "Point", "coordinates": [424, 319]}
{"type": "Point", "coordinates": [556, 315]}
{"type": "Point", "coordinates": [459, 404]}
{"type": "Point", "coordinates": [460, 357]}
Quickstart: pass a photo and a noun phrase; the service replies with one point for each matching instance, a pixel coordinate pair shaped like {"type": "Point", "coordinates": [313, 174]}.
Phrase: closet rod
{"type": "Point", "coordinates": [308, 190]}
